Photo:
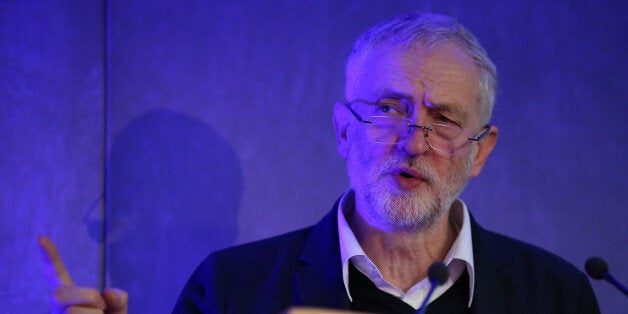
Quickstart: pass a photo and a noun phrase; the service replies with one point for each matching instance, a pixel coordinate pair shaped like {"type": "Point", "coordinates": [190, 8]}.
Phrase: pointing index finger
{"type": "Point", "coordinates": [55, 269]}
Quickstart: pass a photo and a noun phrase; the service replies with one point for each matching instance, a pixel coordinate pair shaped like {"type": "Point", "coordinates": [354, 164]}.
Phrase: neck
{"type": "Point", "coordinates": [404, 256]}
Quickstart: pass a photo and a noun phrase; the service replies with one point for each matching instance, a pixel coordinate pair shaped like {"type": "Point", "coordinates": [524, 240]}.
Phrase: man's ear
{"type": "Point", "coordinates": [485, 147]}
{"type": "Point", "coordinates": [341, 125]}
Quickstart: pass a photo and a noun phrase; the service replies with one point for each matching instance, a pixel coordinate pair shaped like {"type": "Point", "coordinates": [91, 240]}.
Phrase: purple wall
{"type": "Point", "coordinates": [217, 131]}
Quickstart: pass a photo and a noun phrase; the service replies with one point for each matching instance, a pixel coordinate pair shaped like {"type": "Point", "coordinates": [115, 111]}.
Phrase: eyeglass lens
{"type": "Point", "coordinates": [443, 138]}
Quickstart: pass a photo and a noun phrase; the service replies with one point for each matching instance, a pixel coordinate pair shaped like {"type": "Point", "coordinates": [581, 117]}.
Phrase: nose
{"type": "Point", "coordinates": [415, 142]}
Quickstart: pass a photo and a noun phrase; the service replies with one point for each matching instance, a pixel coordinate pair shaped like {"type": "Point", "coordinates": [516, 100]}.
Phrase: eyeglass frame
{"type": "Point", "coordinates": [427, 129]}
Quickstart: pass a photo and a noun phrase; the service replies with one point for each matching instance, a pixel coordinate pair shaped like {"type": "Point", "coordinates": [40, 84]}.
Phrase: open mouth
{"type": "Point", "coordinates": [406, 175]}
{"type": "Point", "coordinates": [407, 179]}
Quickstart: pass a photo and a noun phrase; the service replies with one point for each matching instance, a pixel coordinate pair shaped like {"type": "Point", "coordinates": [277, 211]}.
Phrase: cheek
{"type": "Point", "coordinates": [366, 158]}
{"type": "Point", "coordinates": [443, 165]}
{"type": "Point", "coordinates": [358, 143]}
{"type": "Point", "coordinates": [447, 168]}
{"type": "Point", "coordinates": [458, 171]}
{"type": "Point", "coordinates": [369, 153]}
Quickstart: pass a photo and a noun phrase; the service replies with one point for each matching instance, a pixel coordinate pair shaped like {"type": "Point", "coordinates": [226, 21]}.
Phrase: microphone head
{"type": "Point", "coordinates": [596, 267]}
{"type": "Point", "coordinates": [438, 273]}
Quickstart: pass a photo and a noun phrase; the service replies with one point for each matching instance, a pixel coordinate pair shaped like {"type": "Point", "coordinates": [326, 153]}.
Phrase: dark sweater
{"type": "Point", "coordinates": [367, 298]}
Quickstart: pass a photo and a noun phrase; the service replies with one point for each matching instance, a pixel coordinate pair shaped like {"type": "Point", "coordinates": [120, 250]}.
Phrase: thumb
{"type": "Point", "coordinates": [117, 300]}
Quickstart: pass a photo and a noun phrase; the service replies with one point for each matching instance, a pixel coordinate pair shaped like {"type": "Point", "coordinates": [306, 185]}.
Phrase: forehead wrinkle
{"type": "Point", "coordinates": [387, 92]}
{"type": "Point", "coordinates": [392, 70]}
{"type": "Point", "coordinates": [440, 104]}
{"type": "Point", "coordinates": [419, 77]}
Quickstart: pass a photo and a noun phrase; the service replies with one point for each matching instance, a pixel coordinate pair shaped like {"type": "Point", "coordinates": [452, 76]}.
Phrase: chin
{"type": "Point", "coordinates": [404, 210]}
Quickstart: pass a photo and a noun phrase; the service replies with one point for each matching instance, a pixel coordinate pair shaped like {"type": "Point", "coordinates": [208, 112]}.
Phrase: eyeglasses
{"type": "Point", "coordinates": [387, 128]}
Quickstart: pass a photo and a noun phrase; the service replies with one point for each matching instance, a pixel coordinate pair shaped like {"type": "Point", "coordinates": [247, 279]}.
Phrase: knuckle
{"type": "Point", "coordinates": [60, 294]}
{"type": "Point", "coordinates": [92, 296]}
{"type": "Point", "coordinates": [67, 296]}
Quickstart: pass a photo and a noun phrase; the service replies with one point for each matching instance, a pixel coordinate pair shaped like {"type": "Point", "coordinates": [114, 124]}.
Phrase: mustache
{"type": "Point", "coordinates": [418, 164]}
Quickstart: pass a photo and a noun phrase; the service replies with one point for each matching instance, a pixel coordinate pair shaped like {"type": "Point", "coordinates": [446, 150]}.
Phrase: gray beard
{"type": "Point", "coordinates": [416, 210]}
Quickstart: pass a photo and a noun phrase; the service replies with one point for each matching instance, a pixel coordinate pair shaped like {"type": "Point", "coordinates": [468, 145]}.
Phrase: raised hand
{"type": "Point", "coordinates": [67, 297]}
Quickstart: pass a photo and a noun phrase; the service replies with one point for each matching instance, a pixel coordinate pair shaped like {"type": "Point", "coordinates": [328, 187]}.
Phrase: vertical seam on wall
{"type": "Point", "coordinates": [106, 138]}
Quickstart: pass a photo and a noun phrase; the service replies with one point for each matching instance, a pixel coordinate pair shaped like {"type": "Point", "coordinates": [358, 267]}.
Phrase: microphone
{"type": "Point", "coordinates": [598, 269]}
{"type": "Point", "coordinates": [438, 275]}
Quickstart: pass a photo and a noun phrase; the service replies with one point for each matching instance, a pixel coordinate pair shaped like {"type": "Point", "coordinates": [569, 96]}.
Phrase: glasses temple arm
{"type": "Point", "coordinates": [355, 114]}
{"type": "Point", "coordinates": [481, 135]}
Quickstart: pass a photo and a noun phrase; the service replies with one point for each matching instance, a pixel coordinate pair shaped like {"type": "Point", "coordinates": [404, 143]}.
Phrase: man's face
{"type": "Point", "coordinates": [408, 186]}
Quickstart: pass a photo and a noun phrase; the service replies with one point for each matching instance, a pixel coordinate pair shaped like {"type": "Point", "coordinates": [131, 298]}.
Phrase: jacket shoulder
{"type": "Point", "coordinates": [235, 275]}
{"type": "Point", "coordinates": [532, 257]}
{"type": "Point", "coordinates": [265, 252]}
{"type": "Point", "coordinates": [537, 278]}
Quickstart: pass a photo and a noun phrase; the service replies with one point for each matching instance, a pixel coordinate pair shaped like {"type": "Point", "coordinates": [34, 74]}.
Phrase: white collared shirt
{"type": "Point", "coordinates": [459, 256]}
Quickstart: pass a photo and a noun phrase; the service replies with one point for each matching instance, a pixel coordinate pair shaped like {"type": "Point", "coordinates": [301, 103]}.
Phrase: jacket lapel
{"type": "Point", "coordinates": [494, 284]}
{"type": "Point", "coordinates": [319, 283]}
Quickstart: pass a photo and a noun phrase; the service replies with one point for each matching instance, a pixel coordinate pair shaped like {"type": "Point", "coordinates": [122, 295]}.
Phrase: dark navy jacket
{"type": "Point", "coordinates": [303, 268]}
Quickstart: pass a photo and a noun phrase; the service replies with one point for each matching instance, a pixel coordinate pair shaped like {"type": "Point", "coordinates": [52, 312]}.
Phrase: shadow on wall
{"type": "Point", "coordinates": [175, 191]}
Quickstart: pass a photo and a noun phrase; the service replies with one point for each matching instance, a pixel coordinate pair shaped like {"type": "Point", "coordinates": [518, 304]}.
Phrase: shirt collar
{"type": "Point", "coordinates": [460, 251]}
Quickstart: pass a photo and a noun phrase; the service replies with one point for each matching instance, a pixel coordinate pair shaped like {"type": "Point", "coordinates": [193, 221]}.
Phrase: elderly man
{"type": "Point", "coordinates": [414, 128]}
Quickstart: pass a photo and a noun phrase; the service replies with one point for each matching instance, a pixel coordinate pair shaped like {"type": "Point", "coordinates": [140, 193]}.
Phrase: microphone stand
{"type": "Point", "coordinates": [438, 275]}
{"type": "Point", "coordinates": [423, 307]}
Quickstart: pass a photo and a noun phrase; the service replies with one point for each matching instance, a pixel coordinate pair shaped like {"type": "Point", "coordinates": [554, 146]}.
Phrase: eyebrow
{"type": "Point", "coordinates": [463, 116]}
{"type": "Point", "coordinates": [387, 93]}
{"type": "Point", "coordinates": [446, 107]}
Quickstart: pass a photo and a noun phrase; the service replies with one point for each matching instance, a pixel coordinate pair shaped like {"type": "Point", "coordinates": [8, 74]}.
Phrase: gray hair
{"type": "Point", "coordinates": [431, 31]}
